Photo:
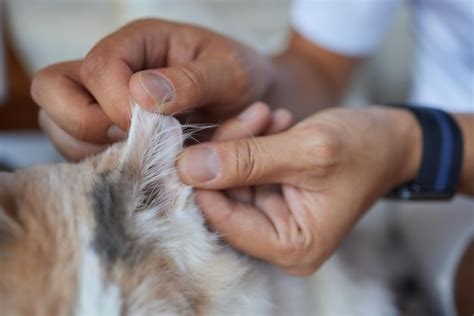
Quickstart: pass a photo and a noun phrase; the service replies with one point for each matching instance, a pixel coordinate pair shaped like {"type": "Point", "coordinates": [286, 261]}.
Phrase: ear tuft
{"type": "Point", "coordinates": [153, 143]}
{"type": "Point", "coordinates": [153, 136]}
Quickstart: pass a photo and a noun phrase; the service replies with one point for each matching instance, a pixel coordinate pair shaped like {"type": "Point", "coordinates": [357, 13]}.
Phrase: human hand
{"type": "Point", "coordinates": [331, 168]}
{"type": "Point", "coordinates": [256, 120]}
{"type": "Point", "coordinates": [166, 67]}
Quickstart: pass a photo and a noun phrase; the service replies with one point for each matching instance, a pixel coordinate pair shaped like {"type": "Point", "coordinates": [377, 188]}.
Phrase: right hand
{"type": "Point", "coordinates": [329, 167]}
{"type": "Point", "coordinates": [167, 67]}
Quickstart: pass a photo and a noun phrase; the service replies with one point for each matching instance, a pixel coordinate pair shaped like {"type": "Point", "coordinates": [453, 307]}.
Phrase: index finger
{"type": "Point", "coordinates": [241, 225]}
{"type": "Point", "coordinates": [58, 90]}
{"type": "Point", "coordinates": [107, 69]}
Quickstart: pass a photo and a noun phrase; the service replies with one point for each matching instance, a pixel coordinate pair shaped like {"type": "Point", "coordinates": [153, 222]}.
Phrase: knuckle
{"type": "Point", "coordinates": [231, 211]}
{"type": "Point", "coordinates": [246, 164]}
{"type": "Point", "coordinates": [327, 153]}
{"type": "Point", "coordinates": [291, 254]}
{"type": "Point", "coordinates": [93, 68]}
{"type": "Point", "coordinates": [324, 146]}
{"type": "Point", "coordinates": [51, 80]}
{"type": "Point", "coordinates": [299, 263]}
{"type": "Point", "coordinates": [196, 81]}
{"type": "Point", "coordinates": [47, 79]}
{"type": "Point", "coordinates": [300, 256]}
{"type": "Point", "coordinates": [79, 127]}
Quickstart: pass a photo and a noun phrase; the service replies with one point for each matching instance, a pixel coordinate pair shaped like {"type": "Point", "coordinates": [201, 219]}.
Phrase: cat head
{"type": "Point", "coordinates": [117, 234]}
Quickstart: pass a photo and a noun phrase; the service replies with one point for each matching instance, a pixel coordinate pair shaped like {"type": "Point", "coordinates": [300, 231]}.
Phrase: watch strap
{"type": "Point", "coordinates": [442, 157]}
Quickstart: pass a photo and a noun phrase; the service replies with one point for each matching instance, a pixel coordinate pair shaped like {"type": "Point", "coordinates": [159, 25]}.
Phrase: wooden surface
{"type": "Point", "coordinates": [18, 111]}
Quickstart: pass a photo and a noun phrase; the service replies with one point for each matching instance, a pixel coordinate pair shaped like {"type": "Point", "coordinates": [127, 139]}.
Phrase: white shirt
{"type": "Point", "coordinates": [443, 76]}
{"type": "Point", "coordinates": [443, 71]}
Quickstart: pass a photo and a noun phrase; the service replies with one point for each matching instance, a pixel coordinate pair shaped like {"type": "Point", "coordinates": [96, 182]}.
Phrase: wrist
{"type": "Point", "coordinates": [441, 156]}
{"type": "Point", "coordinates": [466, 124]}
{"type": "Point", "coordinates": [406, 141]}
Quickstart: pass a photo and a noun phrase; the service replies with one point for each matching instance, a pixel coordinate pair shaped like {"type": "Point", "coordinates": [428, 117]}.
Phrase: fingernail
{"type": "Point", "coordinates": [249, 113]}
{"type": "Point", "coordinates": [201, 164]}
{"type": "Point", "coordinates": [157, 87]}
{"type": "Point", "coordinates": [115, 133]}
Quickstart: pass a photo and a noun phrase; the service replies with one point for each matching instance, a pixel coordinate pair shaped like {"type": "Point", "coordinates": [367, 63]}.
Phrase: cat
{"type": "Point", "coordinates": [120, 234]}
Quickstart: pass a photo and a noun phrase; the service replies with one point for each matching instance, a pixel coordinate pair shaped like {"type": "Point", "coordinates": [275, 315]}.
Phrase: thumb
{"type": "Point", "coordinates": [182, 87]}
{"type": "Point", "coordinates": [249, 161]}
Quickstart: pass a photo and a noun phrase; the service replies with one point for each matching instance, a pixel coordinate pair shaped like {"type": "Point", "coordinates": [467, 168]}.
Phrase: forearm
{"type": "Point", "coordinates": [300, 88]}
{"type": "Point", "coordinates": [308, 78]}
{"type": "Point", "coordinates": [466, 181]}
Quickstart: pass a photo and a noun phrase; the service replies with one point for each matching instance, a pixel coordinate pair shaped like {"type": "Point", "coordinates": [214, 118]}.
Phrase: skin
{"type": "Point", "coordinates": [86, 103]}
{"type": "Point", "coordinates": [329, 173]}
{"type": "Point", "coordinates": [292, 192]}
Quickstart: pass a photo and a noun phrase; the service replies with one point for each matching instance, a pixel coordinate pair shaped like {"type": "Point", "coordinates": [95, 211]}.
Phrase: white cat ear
{"type": "Point", "coordinates": [8, 208]}
{"type": "Point", "coordinates": [152, 137]}
{"type": "Point", "coordinates": [150, 153]}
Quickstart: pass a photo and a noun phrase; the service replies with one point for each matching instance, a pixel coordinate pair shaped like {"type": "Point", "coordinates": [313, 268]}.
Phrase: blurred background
{"type": "Point", "coordinates": [37, 33]}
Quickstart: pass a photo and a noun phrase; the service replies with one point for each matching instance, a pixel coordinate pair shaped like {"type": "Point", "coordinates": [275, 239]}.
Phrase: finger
{"type": "Point", "coordinates": [58, 90]}
{"type": "Point", "coordinates": [250, 230]}
{"type": "Point", "coordinates": [282, 119]}
{"type": "Point", "coordinates": [243, 226]}
{"type": "Point", "coordinates": [202, 68]}
{"type": "Point", "coordinates": [181, 70]}
{"type": "Point", "coordinates": [108, 67]}
{"type": "Point", "coordinates": [269, 199]}
{"type": "Point", "coordinates": [270, 159]}
{"type": "Point", "coordinates": [71, 148]}
{"type": "Point", "coordinates": [242, 194]}
{"type": "Point", "coordinates": [251, 122]}
{"type": "Point", "coordinates": [293, 238]}
{"type": "Point", "coordinates": [181, 88]}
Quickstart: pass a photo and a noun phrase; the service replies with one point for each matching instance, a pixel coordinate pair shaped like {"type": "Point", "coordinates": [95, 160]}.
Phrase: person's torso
{"type": "Point", "coordinates": [443, 73]}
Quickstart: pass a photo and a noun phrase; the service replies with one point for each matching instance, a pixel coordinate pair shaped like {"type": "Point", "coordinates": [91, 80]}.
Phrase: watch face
{"type": "Point", "coordinates": [405, 193]}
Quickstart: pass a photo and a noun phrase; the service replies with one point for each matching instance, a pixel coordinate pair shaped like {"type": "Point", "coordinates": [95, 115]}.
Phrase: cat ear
{"type": "Point", "coordinates": [152, 137]}
{"type": "Point", "coordinates": [8, 208]}
{"type": "Point", "coordinates": [150, 153]}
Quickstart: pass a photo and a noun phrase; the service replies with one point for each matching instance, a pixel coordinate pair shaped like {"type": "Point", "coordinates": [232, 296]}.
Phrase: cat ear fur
{"type": "Point", "coordinates": [152, 138]}
{"type": "Point", "coordinates": [149, 157]}
{"type": "Point", "coordinates": [8, 208]}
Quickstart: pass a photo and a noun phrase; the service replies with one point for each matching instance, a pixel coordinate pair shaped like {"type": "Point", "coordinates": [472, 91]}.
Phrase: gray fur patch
{"type": "Point", "coordinates": [111, 239]}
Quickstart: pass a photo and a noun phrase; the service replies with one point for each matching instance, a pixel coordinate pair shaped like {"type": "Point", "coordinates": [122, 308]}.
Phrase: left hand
{"type": "Point", "coordinates": [330, 167]}
{"type": "Point", "coordinates": [166, 67]}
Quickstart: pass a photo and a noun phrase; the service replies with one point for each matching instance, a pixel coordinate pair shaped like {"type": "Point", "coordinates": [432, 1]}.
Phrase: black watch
{"type": "Point", "coordinates": [442, 157]}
